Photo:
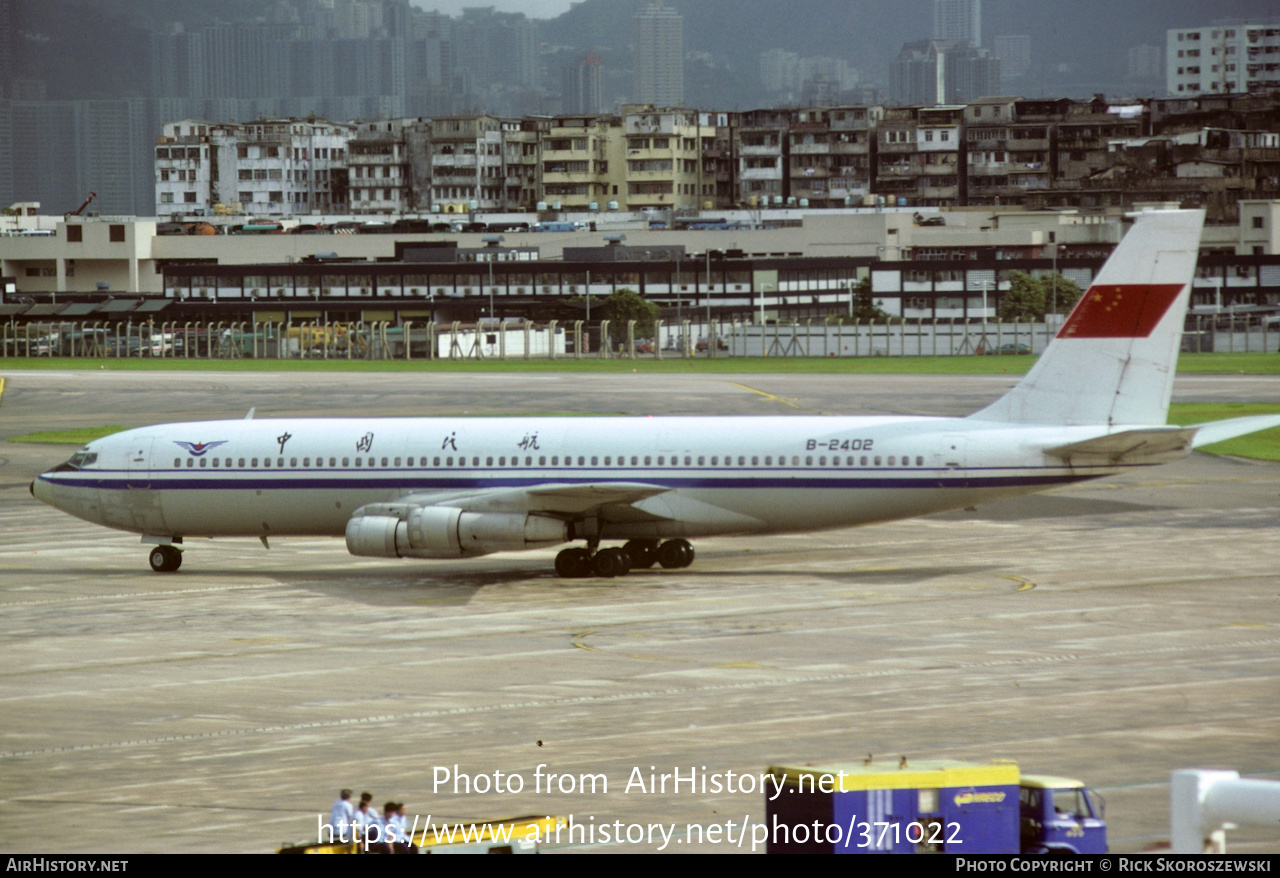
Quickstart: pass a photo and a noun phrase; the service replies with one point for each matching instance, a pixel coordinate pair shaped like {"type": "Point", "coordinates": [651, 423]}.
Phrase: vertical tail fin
{"type": "Point", "coordinates": [1114, 359]}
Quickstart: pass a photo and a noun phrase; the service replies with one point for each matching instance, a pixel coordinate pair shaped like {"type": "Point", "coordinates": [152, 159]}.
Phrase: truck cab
{"type": "Point", "coordinates": [1059, 815]}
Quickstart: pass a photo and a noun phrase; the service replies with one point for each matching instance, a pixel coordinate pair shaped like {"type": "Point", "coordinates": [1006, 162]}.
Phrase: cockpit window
{"type": "Point", "coordinates": [79, 460]}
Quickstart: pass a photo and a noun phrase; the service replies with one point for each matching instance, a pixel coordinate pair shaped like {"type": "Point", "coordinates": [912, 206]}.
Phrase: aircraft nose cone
{"type": "Point", "coordinates": [42, 490]}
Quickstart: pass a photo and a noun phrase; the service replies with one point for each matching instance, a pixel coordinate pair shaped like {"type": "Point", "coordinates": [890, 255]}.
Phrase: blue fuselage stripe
{"type": "Point", "coordinates": [404, 480]}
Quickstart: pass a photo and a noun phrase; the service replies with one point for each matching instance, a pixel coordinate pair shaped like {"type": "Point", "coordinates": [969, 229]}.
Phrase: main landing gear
{"type": "Point", "coordinates": [578, 563]}
{"type": "Point", "coordinates": [165, 559]}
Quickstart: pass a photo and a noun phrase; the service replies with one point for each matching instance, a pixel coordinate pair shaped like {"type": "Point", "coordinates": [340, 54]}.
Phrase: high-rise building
{"type": "Point", "coordinates": [779, 70]}
{"type": "Point", "coordinates": [659, 61]}
{"type": "Point", "coordinates": [63, 150]}
{"type": "Point", "coordinates": [497, 47]}
{"type": "Point", "coordinates": [939, 72]}
{"type": "Point", "coordinates": [1222, 59]}
{"type": "Point", "coordinates": [1014, 52]}
{"type": "Point", "coordinates": [1145, 63]}
{"type": "Point", "coordinates": [6, 47]}
{"type": "Point", "coordinates": [583, 86]}
{"type": "Point", "coordinates": [959, 21]}
{"type": "Point", "coordinates": [782, 71]}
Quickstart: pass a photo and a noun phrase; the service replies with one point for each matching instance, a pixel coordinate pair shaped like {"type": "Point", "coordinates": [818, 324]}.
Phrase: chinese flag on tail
{"type": "Point", "coordinates": [1120, 311]}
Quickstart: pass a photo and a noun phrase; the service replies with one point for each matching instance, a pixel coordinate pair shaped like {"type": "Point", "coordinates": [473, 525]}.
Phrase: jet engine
{"type": "Point", "coordinates": [445, 532]}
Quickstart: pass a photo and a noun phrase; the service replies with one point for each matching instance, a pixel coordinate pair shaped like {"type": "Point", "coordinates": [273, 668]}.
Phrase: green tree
{"type": "Point", "coordinates": [625, 305]}
{"type": "Point", "coordinates": [1068, 293]}
{"type": "Point", "coordinates": [1025, 299]}
{"type": "Point", "coordinates": [864, 305]}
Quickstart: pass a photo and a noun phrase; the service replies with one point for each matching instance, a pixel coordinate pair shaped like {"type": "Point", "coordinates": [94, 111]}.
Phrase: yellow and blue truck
{"type": "Point", "coordinates": [933, 806]}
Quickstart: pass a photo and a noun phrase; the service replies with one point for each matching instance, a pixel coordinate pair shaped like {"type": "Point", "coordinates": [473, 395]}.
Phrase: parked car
{"type": "Point", "coordinates": [1010, 349]}
{"type": "Point", "coordinates": [703, 345]}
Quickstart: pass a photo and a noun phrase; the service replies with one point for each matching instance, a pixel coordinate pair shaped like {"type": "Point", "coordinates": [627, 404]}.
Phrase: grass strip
{"type": "Point", "coordinates": [1188, 364]}
{"type": "Point", "coordinates": [78, 436]}
{"type": "Point", "coordinates": [1258, 446]}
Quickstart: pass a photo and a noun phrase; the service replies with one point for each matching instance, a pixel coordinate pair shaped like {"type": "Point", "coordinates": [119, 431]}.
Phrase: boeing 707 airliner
{"type": "Point", "coordinates": [1096, 403]}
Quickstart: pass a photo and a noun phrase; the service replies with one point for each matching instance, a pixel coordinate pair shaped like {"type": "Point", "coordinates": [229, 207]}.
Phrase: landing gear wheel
{"type": "Point", "coordinates": [165, 559]}
{"type": "Point", "coordinates": [573, 564]}
{"type": "Point", "coordinates": [612, 562]}
{"type": "Point", "coordinates": [687, 554]}
{"type": "Point", "coordinates": [675, 554]}
{"type": "Point", "coordinates": [644, 553]}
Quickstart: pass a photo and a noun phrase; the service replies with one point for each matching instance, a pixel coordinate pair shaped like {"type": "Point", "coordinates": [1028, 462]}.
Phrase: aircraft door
{"type": "Point", "coordinates": [135, 506]}
{"type": "Point", "coordinates": [138, 464]}
{"type": "Point", "coordinates": [953, 452]}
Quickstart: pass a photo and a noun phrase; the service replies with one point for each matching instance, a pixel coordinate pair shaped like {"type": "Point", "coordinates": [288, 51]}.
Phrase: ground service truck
{"type": "Point", "coordinates": [932, 806]}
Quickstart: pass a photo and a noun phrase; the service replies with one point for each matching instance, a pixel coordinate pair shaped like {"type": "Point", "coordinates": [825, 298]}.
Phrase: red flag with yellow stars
{"type": "Point", "coordinates": [1120, 311]}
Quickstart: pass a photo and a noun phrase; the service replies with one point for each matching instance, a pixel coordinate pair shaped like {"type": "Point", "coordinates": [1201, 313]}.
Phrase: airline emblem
{"type": "Point", "coordinates": [199, 449]}
{"type": "Point", "coordinates": [365, 443]}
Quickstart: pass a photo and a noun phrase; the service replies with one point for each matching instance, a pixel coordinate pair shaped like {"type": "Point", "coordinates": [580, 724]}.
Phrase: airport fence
{"type": "Point", "coordinates": [510, 340]}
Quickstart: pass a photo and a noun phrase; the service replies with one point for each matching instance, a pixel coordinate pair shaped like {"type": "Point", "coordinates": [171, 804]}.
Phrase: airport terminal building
{"type": "Point", "coordinates": [753, 267]}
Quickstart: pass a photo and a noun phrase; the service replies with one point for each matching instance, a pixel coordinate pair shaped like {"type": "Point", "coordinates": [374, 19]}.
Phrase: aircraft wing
{"type": "Point", "coordinates": [608, 501]}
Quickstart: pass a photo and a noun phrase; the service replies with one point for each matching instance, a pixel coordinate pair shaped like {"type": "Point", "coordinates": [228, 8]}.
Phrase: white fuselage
{"type": "Point", "coordinates": [717, 475]}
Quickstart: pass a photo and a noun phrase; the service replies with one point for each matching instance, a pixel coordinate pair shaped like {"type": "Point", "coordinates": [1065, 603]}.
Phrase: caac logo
{"type": "Point", "coordinates": [199, 449]}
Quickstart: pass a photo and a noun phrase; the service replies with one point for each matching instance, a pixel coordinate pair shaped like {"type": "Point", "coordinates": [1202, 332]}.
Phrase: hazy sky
{"type": "Point", "coordinates": [531, 8]}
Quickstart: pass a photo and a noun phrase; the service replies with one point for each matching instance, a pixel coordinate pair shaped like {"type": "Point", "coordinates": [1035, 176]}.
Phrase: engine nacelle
{"type": "Point", "coordinates": [444, 532]}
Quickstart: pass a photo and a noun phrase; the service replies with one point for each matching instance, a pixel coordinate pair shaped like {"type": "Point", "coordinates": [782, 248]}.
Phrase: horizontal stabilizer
{"type": "Point", "coordinates": [1221, 431]}
{"type": "Point", "coordinates": [1147, 445]}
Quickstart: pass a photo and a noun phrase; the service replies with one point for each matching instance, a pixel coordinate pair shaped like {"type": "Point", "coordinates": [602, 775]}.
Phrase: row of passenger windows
{"type": "Point", "coordinates": [555, 460]}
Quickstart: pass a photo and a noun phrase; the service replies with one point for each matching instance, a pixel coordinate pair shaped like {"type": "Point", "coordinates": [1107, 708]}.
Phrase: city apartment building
{"type": "Point", "coordinates": [1222, 59]}
{"type": "Point", "coordinates": [662, 164]}
{"type": "Point", "coordinates": [992, 176]}
{"type": "Point", "coordinates": [719, 167]}
{"type": "Point", "coordinates": [1053, 152]}
{"type": "Point", "coordinates": [184, 166]}
{"type": "Point", "coordinates": [762, 146]}
{"type": "Point", "coordinates": [831, 151]}
{"type": "Point", "coordinates": [273, 167]}
{"type": "Point", "coordinates": [484, 163]}
{"type": "Point", "coordinates": [920, 159]}
{"type": "Point", "coordinates": [387, 167]}
{"type": "Point", "coordinates": [582, 161]}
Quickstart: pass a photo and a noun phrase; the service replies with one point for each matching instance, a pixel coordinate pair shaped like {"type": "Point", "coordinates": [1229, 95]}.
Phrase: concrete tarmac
{"type": "Point", "coordinates": [1113, 632]}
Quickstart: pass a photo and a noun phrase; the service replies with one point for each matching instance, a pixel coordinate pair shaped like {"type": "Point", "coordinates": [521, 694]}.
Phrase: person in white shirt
{"type": "Point", "coordinates": [340, 816]}
{"type": "Point", "coordinates": [364, 819]}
